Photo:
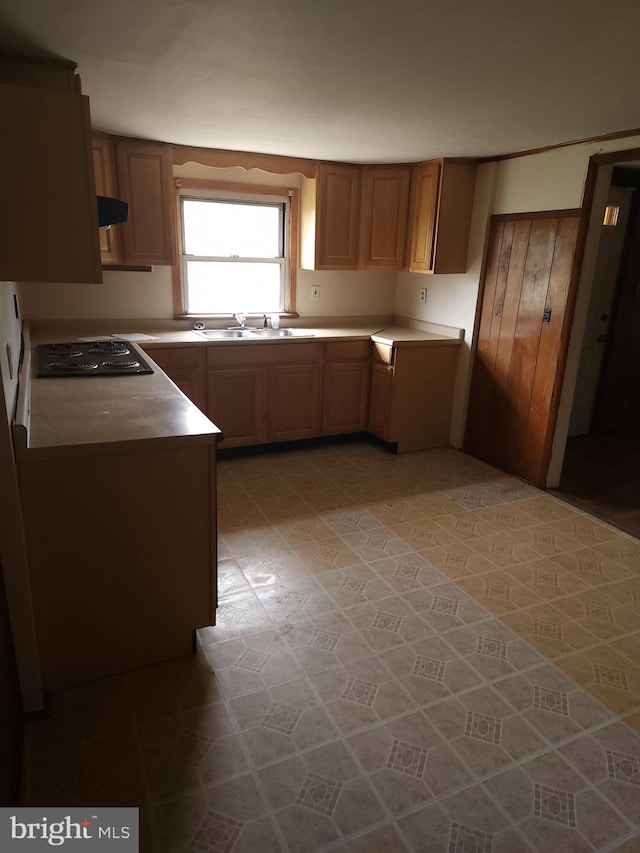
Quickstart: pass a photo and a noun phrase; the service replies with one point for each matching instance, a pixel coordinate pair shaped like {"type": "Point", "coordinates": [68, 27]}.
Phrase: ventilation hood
{"type": "Point", "coordinates": [111, 211]}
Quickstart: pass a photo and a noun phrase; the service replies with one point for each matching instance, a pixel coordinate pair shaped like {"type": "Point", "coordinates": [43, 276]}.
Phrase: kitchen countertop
{"type": "Point", "coordinates": [67, 415]}
{"type": "Point", "coordinates": [73, 416]}
{"type": "Point", "coordinates": [390, 335]}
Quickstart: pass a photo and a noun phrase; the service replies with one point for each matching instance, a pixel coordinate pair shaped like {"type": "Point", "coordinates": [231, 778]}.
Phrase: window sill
{"type": "Point", "coordinates": [284, 315]}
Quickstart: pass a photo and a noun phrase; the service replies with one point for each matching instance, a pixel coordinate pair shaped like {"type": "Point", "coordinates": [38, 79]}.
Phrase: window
{"type": "Point", "coordinates": [236, 251]}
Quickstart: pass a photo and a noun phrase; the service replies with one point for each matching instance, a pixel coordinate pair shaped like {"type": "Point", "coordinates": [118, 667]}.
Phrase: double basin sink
{"type": "Point", "coordinates": [226, 334]}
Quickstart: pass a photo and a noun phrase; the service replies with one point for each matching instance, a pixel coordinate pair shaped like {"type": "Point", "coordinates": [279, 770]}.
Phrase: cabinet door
{"type": "Point", "coordinates": [380, 401]}
{"type": "Point", "coordinates": [185, 367]}
{"type": "Point", "coordinates": [337, 214]}
{"type": "Point", "coordinates": [295, 401]}
{"type": "Point", "coordinates": [236, 403]}
{"type": "Point", "coordinates": [383, 220]}
{"type": "Point", "coordinates": [345, 399]}
{"type": "Point", "coordinates": [49, 218]}
{"type": "Point", "coordinates": [455, 206]}
{"type": "Point", "coordinates": [104, 171]}
{"type": "Point", "coordinates": [424, 199]}
{"type": "Point", "coordinates": [145, 183]}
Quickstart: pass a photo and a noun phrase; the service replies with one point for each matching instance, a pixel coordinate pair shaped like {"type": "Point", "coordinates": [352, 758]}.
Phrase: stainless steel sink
{"type": "Point", "coordinates": [224, 334]}
{"type": "Point", "coordinates": [282, 333]}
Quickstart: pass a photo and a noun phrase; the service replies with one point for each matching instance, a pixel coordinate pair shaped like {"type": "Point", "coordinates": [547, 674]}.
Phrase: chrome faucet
{"type": "Point", "coordinates": [240, 317]}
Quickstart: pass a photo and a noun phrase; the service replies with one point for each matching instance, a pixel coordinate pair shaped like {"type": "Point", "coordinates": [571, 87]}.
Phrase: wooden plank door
{"type": "Point", "coordinates": [522, 343]}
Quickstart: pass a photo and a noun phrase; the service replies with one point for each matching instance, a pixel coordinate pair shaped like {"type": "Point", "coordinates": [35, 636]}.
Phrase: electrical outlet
{"type": "Point", "coordinates": [315, 292]}
{"type": "Point", "coordinates": [423, 294]}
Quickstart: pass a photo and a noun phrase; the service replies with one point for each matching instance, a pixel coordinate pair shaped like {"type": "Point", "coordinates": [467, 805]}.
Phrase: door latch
{"type": "Point", "coordinates": [546, 317]}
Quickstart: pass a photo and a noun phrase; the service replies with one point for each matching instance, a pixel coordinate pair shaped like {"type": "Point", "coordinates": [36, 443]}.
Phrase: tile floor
{"type": "Point", "coordinates": [413, 653]}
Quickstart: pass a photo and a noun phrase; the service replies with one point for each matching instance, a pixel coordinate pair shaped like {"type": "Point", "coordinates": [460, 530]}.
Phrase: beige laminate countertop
{"type": "Point", "coordinates": [71, 415]}
{"type": "Point", "coordinates": [389, 335]}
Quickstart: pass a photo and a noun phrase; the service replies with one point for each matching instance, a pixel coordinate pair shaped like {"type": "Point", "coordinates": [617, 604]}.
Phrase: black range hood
{"type": "Point", "coordinates": [111, 211]}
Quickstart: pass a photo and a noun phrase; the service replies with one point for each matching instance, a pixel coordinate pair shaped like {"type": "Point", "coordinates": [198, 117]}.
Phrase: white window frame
{"type": "Point", "coordinates": [215, 190]}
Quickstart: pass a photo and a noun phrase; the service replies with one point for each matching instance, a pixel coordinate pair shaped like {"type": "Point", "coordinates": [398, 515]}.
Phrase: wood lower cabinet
{"type": "Point", "coordinates": [186, 367]}
{"type": "Point", "coordinates": [117, 590]}
{"type": "Point", "coordinates": [263, 393]}
{"type": "Point", "coordinates": [237, 404]}
{"type": "Point", "coordinates": [346, 387]}
{"type": "Point", "coordinates": [294, 393]}
{"type": "Point", "coordinates": [412, 394]}
{"type": "Point", "coordinates": [380, 401]}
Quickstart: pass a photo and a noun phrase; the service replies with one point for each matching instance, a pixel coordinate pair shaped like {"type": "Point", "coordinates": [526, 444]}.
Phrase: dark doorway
{"type": "Point", "coordinates": [601, 471]}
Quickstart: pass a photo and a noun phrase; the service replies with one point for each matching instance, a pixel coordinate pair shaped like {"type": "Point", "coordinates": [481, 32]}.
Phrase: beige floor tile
{"type": "Point", "coordinates": [504, 549]}
{"type": "Point", "coordinates": [422, 533]}
{"type": "Point", "coordinates": [546, 579]}
{"type": "Point", "coordinates": [326, 555]}
{"type": "Point", "coordinates": [434, 612]}
{"type": "Point", "coordinates": [273, 568]}
{"type": "Point", "coordinates": [457, 559]}
{"type": "Point", "coordinates": [499, 592]}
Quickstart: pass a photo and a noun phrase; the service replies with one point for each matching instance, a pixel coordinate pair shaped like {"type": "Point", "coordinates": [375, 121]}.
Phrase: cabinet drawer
{"type": "Point", "coordinates": [347, 350]}
{"type": "Point", "coordinates": [250, 353]}
{"type": "Point", "coordinates": [383, 354]}
{"type": "Point", "coordinates": [185, 358]}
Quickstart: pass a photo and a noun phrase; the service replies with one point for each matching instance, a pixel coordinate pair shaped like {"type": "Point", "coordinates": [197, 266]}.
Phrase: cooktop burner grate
{"type": "Point", "coordinates": [84, 359]}
{"type": "Point", "coordinates": [68, 366]}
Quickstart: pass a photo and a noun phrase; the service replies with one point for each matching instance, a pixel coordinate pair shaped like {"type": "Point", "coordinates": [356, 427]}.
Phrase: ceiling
{"type": "Point", "coordinates": [352, 80]}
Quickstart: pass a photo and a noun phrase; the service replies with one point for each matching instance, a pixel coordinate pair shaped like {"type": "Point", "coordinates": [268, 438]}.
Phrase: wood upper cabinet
{"type": "Point", "coordinates": [375, 217]}
{"type": "Point", "coordinates": [49, 221]}
{"type": "Point", "coordinates": [338, 199]}
{"type": "Point", "coordinates": [383, 216]}
{"type": "Point", "coordinates": [441, 205]}
{"type": "Point", "coordinates": [145, 182]}
{"type": "Point", "coordinates": [346, 387]}
{"type": "Point", "coordinates": [354, 217]}
{"type": "Point", "coordinates": [329, 218]}
{"type": "Point", "coordinates": [105, 176]}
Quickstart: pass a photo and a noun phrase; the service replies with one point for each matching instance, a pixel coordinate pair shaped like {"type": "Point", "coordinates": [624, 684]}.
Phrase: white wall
{"type": "Point", "coordinates": [551, 180]}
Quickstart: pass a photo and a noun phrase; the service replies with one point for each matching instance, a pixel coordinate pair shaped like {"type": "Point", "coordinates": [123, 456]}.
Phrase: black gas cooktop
{"type": "Point", "coordinates": [97, 358]}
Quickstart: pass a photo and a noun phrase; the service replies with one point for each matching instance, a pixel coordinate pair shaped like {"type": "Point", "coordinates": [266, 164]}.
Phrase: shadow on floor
{"type": "Point", "coordinates": [601, 475]}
